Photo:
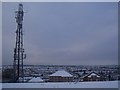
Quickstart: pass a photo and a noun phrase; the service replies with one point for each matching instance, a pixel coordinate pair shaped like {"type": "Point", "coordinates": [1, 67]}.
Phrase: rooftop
{"type": "Point", "coordinates": [36, 79]}
{"type": "Point", "coordinates": [93, 74]}
{"type": "Point", "coordinates": [62, 73]}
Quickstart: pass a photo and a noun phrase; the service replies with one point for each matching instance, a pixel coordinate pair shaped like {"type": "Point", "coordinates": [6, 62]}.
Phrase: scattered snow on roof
{"type": "Point", "coordinates": [62, 73]}
{"type": "Point", "coordinates": [93, 74]}
{"type": "Point", "coordinates": [36, 79]}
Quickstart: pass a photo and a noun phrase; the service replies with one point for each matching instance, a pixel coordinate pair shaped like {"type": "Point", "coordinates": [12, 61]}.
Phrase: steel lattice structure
{"type": "Point", "coordinates": [19, 55]}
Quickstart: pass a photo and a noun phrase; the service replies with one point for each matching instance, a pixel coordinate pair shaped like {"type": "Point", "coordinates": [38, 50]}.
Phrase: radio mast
{"type": "Point", "coordinates": [19, 55]}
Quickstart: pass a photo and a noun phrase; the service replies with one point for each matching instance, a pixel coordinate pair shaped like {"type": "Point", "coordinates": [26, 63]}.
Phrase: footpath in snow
{"type": "Point", "coordinates": [105, 84]}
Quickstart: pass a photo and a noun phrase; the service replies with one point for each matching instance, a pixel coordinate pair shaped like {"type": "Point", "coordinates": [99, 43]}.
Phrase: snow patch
{"type": "Point", "coordinates": [100, 84]}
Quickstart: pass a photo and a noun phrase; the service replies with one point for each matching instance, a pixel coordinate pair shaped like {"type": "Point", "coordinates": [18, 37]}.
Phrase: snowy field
{"type": "Point", "coordinates": [105, 84]}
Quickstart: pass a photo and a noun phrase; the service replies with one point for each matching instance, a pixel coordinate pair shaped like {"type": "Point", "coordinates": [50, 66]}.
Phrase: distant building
{"type": "Point", "coordinates": [61, 76]}
{"type": "Point", "coordinates": [93, 76]}
{"type": "Point", "coordinates": [35, 80]}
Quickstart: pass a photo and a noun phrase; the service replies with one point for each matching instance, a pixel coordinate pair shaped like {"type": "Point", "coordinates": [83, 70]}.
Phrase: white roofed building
{"type": "Point", "coordinates": [93, 76]}
{"type": "Point", "coordinates": [61, 76]}
{"type": "Point", "coordinates": [35, 80]}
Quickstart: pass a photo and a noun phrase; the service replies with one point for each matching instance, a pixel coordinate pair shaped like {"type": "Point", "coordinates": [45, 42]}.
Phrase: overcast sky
{"type": "Point", "coordinates": [64, 33]}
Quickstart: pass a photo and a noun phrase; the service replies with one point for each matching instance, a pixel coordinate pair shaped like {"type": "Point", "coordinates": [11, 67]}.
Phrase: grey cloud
{"type": "Point", "coordinates": [64, 33]}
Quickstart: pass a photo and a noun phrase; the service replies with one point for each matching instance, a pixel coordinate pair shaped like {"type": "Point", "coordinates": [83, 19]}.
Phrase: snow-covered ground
{"type": "Point", "coordinates": [105, 84]}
